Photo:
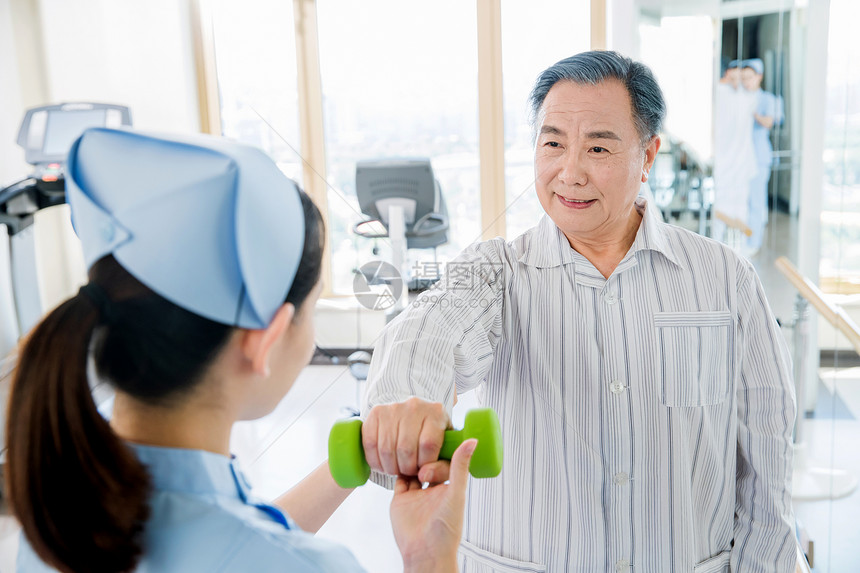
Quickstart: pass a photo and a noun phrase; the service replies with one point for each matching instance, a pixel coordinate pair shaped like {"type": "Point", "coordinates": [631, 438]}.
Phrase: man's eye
{"type": "Point", "coordinates": [552, 144]}
{"type": "Point", "coordinates": [598, 149]}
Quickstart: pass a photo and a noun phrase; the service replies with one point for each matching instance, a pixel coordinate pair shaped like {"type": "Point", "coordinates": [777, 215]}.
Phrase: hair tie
{"type": "Point", "coordinates": [100, 299]}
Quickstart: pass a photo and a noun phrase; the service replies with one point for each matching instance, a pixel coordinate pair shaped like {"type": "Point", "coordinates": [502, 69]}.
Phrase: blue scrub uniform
{"type": "Point", "coordinates": [769, 105]}
{"type": "Point", "coordinates": [205, 519]}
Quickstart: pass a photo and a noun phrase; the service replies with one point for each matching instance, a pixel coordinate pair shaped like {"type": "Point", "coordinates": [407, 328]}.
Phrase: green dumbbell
{"type": "Point", "coordinates": [349, 468]}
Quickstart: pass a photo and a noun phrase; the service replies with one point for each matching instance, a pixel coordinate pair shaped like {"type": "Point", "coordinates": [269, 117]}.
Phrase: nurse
{"type": "Point", "coordinates": [734, 161]}
{"type": "Point", "coordinates": [204, 265]}
{"type": "Point", "coordinates": [768, 113]}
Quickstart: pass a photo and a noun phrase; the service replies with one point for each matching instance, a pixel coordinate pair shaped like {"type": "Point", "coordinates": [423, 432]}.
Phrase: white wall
{"type": "Point", "coordinates": [22, 83]}
{"type": "Point", "coordinates": [132, 52]}
{"type": "Point", "coordinates": [344, 323]}
{"type": "Point", "coordinates": [12, 166]}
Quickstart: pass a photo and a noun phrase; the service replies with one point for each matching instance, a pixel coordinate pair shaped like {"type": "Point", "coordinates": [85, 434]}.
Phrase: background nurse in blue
{"type": "Point", "coordinates": [768, 113]}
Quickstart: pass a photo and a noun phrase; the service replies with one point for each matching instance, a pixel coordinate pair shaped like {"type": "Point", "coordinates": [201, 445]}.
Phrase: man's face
{"type": "Point", "coordinates": [589, 159]}
{"type": "Point", "coordinates": [751, 80]}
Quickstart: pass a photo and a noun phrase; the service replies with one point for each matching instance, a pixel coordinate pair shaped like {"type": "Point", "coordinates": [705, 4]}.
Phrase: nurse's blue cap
{"type": "Point", "coordinates": [734, 64]}
{"type": "Point", "coordinates": [211, 225]}
{"type": "Point", "coordinates": [755, 64]}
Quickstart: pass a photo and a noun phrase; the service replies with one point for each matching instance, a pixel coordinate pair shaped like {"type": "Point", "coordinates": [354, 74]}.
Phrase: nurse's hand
{"type": "Point", "coordinates": [428, 523]}
{"type": "Point", "coordinates": [401, 437]}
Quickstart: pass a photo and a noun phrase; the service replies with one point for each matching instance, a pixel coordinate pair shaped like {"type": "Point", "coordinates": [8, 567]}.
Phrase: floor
{"type": "Point", "coordinates": [832, 440]}
{"type": "Point", "coordinates": [281, 448]}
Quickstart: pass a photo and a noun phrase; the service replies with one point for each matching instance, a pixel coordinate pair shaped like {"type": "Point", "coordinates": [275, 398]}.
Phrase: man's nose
{"type": "Point", "coordinates": [571, 171]}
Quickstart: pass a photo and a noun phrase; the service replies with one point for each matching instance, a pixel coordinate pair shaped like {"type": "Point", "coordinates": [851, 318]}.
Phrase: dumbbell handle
{"type": "Point", "coordinates": [349, 467]}
{"type": "Point", "coordinates": [450, 443]}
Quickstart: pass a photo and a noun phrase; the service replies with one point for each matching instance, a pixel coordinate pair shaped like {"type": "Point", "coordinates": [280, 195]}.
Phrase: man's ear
{"type": "Point", "coordinates": [257, 344]}
{"type": "Point", "coordinates": [650, 156]}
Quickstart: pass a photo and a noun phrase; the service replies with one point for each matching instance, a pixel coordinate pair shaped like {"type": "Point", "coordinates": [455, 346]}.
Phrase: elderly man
{"type": "Point", "coordinates": [641, 380]}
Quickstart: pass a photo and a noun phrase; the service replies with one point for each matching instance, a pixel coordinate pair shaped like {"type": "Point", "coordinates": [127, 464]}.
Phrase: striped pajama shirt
{"type": "Point", "coordinates": [647, 417]}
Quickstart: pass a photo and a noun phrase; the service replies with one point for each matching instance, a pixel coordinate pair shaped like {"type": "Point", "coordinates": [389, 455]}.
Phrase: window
{"type": "Point", "coordinates": [840, 200]}
{"type": "Point", "coordinates": [255, 58]}
{"type": "Point", "coordinates": [399, 79]}
{"type": "Point", "coordinates": [564, 31]}
{"type": "Point", "coordinates": [686, 76]}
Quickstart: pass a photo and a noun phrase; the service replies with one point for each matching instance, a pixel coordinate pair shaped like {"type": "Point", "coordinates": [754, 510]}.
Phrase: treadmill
{"type": "Point", "coordinates": [46, 134]}
{"type": "Point", "coordinates": [38, 250]}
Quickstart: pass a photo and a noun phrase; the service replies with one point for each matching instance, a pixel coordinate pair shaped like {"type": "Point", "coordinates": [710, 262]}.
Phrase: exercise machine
{"type": "Point", "coordinates": [26, 271]}
{"type": "Point", "coordinates": [402, 201]}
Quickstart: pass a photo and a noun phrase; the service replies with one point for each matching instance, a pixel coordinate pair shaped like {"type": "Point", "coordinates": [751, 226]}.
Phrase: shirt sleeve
{"type": "Point", "coordinates": [771, 105]}
{"type": "Point", "coordinates": [779, 113]}
{"type": "Point", "coordinates": [764, 522]}
{"type": "Point", "coordinates": [444, 341]}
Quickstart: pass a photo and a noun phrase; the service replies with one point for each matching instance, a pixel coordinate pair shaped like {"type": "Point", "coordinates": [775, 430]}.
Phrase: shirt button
{"type": "Point", "coordinates": [622, 565]}
{"type": "Point", "coordinates": [616, 387]}
{"type": "Point", "coordinates": [621, 478]}
{"type": "Point", "coordinates": [610, 298]}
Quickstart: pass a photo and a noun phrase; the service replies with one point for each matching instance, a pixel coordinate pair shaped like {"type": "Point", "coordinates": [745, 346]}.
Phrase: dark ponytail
{"type": "Point", "coordinates": [78, 491]}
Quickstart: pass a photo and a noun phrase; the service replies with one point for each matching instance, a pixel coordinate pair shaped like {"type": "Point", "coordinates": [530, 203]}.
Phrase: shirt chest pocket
{"type": "Point", "coordinates": [694, 350]}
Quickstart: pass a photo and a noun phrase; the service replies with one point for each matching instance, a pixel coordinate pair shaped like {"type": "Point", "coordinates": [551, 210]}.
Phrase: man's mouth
{"type": "Point", "coordinates": [576, 203]}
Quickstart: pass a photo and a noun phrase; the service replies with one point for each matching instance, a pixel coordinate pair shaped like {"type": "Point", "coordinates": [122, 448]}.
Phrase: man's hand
{"type": "Point", "coordinates": [400, 438]}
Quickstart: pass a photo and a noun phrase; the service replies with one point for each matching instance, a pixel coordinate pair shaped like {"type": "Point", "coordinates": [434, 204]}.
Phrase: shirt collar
{"type": "Point", "coordinates": [550, 248]}
{"type": "Point", "coordinates": [652, 234]}
{"type": "Point", "coordinates": [192, 471]}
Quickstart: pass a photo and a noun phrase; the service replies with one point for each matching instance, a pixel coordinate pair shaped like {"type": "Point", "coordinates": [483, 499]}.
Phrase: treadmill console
{"type": "Point", "coordinates": [47, 133]}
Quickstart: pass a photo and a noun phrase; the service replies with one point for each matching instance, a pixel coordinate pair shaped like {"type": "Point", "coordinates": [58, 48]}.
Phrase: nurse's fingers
{"type": "Point", "coordinates": [401, 485]}
{"type": "Point", "coordinates": [404, 484]}
{"type": "Point", "coordinates": [434, 472]}
{"type": "Point", "coordinates": [459, 474]}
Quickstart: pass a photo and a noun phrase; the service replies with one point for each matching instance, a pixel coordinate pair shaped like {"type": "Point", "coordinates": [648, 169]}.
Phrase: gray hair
{"type": "Point", "coordinates": [592, 68]}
